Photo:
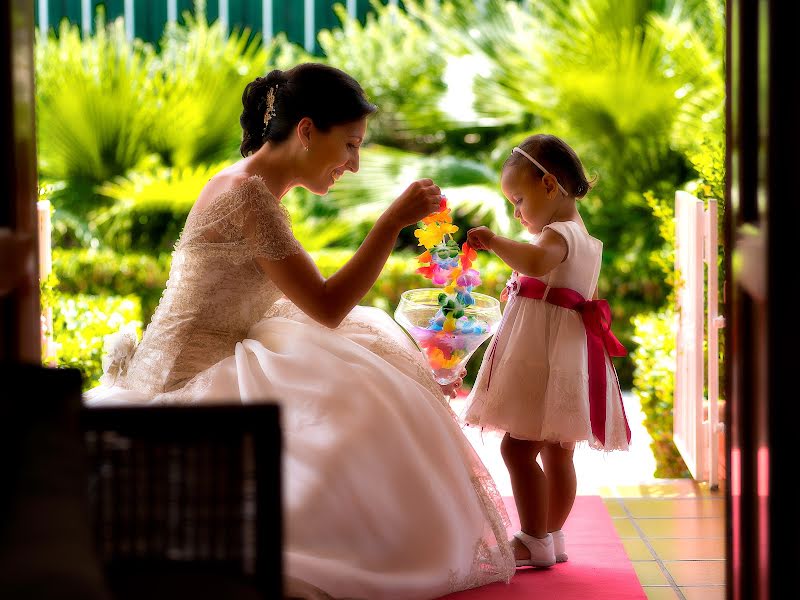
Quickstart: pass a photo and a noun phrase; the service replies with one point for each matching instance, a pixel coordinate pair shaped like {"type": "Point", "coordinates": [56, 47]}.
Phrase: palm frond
{"type": "Point", "coordinates": [148, 209]}
{"type": "Point", "coordinates": [317, 232]}
{"type": "Point", "coordinates": [385, 55]}
{"type": "Point", "coordinates": [471, 187]}
{"type": "Point", "coordinates": [620, 80]}
{"type": "Point", "coordinates": [201, 72]}
{"type": "Point", "coordinates": [93, 113]}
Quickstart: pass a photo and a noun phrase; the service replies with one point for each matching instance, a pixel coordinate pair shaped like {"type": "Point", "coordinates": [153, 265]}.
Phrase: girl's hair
{"type": "Point", "coordinates": [557, 157]}
{"type": "Point", "coordinates": [326, 95]}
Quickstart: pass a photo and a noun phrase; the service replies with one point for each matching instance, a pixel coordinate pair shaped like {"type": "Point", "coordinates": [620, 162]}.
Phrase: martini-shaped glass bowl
{"type": "Point", "coordinates": [447, 351]}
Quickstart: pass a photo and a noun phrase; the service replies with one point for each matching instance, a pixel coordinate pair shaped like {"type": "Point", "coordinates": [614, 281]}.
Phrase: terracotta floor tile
{"type": "Point", "coordinates": [641, 490]}
{"type": "Point", "coordinates": [625, 528]}
{"type": "Point", "coordinates": [660, 488]}
{"type": "Point", "coordinates": [636, 549]}
{"type": "Point", "coordinates": [660, 592]}
{"type": "Point", "coordinates": [650, 573]}
{"type": "Point", "coordinates": [704, 592]}
{"type": "Point", "coordinates": [675, 507]}
{"type": "Point", "coordinates": [697, 572]}
{"type": "Point", "coordinates": [615, 507]}
{"type": "Point", "coordinates": [697, 549]}
{"type": "Point", "coordinates": [682, 528]}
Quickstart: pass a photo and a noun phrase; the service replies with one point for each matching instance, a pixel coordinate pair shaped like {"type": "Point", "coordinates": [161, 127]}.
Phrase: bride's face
{"type": "Point", "coordinates": [331, 153]}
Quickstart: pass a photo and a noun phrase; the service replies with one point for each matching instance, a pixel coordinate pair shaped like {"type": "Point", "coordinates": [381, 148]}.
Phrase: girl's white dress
{"type": "Point", "coordinates": [384, 496]}
{"type": "Point", "coordinates": [539, 383]}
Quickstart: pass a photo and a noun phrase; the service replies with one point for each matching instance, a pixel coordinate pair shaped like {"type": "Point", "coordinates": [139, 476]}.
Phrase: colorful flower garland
{"type": "Point", "coordinates": [444, 265]}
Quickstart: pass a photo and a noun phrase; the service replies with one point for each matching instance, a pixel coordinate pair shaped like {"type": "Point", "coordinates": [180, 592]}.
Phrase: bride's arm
{"type": "Point", "coordinates": [328, 301]}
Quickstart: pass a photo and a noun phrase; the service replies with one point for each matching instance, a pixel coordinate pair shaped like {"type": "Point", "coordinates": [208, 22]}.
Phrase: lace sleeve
{"type": "Point", "coordinates": [244, 223]}
{"type": "Point", "coordinates": [267, 228]}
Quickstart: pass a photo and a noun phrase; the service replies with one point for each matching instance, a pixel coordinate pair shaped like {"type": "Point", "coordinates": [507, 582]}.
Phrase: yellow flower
{"type": "Point", "coordinates": [427, 237]}
{"type": "Point", "coordinates": [432, 234]}
{"type": "Point", "coordinates": [448, 228]}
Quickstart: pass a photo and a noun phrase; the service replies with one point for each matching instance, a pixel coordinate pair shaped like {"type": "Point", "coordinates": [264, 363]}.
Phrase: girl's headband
{"type": "Point", "coordinates": [538, 164]}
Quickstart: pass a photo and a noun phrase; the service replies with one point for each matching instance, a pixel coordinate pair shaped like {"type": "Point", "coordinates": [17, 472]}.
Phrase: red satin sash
{"type": "Point", "coordinates": [596, 315]}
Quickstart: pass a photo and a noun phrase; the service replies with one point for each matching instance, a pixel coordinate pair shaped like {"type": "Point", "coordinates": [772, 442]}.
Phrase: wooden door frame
{"type": "Point", "coordinates": [20, 310]}
{"type": "Point", "coordinates": [763, 132]}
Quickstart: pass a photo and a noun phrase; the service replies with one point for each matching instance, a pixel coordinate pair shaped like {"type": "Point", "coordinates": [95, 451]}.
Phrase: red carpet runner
{"type": "Point", "coordinates": [598, 568]}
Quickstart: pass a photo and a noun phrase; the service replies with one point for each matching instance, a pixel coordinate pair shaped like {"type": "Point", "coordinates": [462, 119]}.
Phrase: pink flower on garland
{"type": "Point", "coordinates": [469, 279]}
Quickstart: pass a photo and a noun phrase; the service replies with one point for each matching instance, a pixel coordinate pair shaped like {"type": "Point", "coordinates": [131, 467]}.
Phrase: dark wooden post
{"type": "Point", "coordinates": [19, 310]}
{"type": "Point", "coordinates": [782, 140]}
{"type": "Point", "coordinates": [762, 155]}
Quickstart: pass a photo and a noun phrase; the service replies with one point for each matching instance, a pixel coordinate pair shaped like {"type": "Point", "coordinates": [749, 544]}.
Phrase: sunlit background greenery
{"type": "Point", "coordinates": [128, 133]}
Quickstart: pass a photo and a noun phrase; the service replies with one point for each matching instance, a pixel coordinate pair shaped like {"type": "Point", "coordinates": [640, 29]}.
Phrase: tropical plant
{"type": "Point", "coordinates": [655, 333]}
{"type": "Point", "coordinates": [80, 325]}
{"type": "Point", "coordinates": [654, 385]}
{"type": "Point", "coordinates": [623, 82]}
{"type": "Point", "coordinates": [95, 272]}
{"type": "Point", "coordinates": [386, 56]}
{"type": "Point", "coordinates": [99, 290]}
{"type": "Point", "coordinates": [595, 72]}
{"type": "Point", "coordinates": [201, 71]}
{"type": "Point", "coordinates": [471, 187]}
{"type": "Point", "coordinates": [94, 103]}
{"type": "Point", "coordinates": [108, 107]}
{"type": "Point", "coordinates": [146, 210]}
{"type": "Point", "coordinates": [696, 44]}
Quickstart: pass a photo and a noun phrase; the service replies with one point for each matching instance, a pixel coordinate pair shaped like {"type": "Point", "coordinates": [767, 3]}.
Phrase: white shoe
{"type": "Point", "coordinates": [560, 546]}
{"type": "Point", "coordinates": [541, 549]}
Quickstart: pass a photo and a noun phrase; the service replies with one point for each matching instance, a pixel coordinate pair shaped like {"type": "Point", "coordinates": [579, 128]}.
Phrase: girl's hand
{"type": "Point", "coordinates": [480, 237]}
{"type": "Point", "coordinates": [420, 199]}
{"type": "Point", "coordinates": [451, 389]}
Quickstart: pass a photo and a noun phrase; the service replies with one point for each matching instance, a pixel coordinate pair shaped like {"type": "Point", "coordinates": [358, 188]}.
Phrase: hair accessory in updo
{"type": "Point", "coordinates": [269, 111]}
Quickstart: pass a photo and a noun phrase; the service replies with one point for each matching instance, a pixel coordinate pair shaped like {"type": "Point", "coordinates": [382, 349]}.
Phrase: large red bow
{"type": "Point", "coordinates": [596, 315]}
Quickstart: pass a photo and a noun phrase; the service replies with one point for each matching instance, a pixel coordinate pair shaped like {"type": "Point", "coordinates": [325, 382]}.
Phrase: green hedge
{"type": "Point", "coordinates": [654, 385]}
{"type": "Point", "coordinates": [142, 277]}
{"type": "Point", "coordinates": [80, 324]}
{"type": "Point", "coordinates": [107, 273]}
{"type": "Point", "coordinates": [104, 273]}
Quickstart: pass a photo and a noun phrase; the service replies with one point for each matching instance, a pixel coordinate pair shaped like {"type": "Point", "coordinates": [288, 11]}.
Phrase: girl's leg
{"type": "Point", "coordinates": [561, 484]}
{"type": "Point", "coordinates": [529, 485]}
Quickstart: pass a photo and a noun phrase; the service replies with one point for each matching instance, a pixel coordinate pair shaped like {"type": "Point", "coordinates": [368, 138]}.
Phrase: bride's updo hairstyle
{"type": "Point", "coordinates": [275, 104]}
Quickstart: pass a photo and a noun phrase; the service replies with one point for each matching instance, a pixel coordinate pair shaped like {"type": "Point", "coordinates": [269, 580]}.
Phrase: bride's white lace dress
{"type": "Point", "coordinates": [384, 497]}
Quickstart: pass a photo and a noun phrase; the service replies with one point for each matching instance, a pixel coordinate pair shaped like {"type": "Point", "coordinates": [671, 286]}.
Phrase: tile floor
{"type": "Point", "coordinates": [672, 529]}
{"type": "Point", "coordinates": [674, 533]}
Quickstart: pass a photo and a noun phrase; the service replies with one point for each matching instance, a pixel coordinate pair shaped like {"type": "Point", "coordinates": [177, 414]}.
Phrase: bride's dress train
{"type": "Point", "coordinates": [384, 496]}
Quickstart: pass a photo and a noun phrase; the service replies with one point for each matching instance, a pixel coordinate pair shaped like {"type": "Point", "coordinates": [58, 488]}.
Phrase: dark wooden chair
{"type": "Point", "coordinates": [185, 502]}
{"type": "Point", "coordinates": [46, 546]}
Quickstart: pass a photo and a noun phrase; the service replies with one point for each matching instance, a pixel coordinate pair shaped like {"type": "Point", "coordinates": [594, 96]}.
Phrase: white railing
{"type": "Point", "coordinates": [45, 267]}
{"type": "Point", "coordinates": [696, 418]}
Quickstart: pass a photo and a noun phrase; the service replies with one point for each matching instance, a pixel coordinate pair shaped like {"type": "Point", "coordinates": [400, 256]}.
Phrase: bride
{"type": "Point", "coordinates": [384, 497]}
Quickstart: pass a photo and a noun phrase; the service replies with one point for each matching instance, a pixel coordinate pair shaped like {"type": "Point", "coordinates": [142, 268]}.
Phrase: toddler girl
{"type": "Point", "coordinates": [547, 380]}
